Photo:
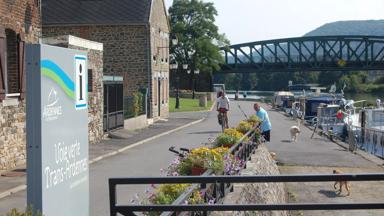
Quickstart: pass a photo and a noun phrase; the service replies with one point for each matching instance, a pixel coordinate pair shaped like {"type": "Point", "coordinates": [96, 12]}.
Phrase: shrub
{"type": "Point", "coordinates": [203, 158]}
{"type": "Point", "coordinates": [244, 127]}
{"type": "Point", "coordinates": [225, 140]}
{"type": "Point", "coordinates": [254, 120]}
{"type": "Point", "coordinates": [167, 193]}
{"type": "Point", "coordinates": [28, 212]}
{"type": "Point", "coordinates": [234, 133]}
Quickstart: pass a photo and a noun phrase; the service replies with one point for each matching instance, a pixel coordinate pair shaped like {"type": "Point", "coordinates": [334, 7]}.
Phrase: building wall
{"type": "Point", "coordinates": [160, 59]}
{"type": "Point", "coordinates": [127, 54]}
{"type": "Point", "coordinates": [16, 17]}
{"type": "Point", "coordinates": [22, 16]}
{"type": "Point", "coordinates": [12, 134]}
{"type": "Point", "coordinates": [125, 51]}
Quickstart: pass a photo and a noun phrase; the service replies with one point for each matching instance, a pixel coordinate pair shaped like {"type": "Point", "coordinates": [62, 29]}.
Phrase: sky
{"type": "Point", "coordinates": [254, 20]}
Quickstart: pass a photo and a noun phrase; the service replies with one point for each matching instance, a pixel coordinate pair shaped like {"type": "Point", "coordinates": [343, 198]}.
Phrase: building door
{"type": "Point", "coordinates": [113, 106]}
{"type": "Point", "coordinates": [159, 102]}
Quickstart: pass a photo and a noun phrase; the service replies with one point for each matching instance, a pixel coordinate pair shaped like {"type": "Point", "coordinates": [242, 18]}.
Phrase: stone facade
{"type": "Point", "coordinates": [160, 59]}
{"type": "Point", "coordinates": [22, 16]}
{"type": "Point", "coordinates": [20, 20]}
{"type": "Point", "coordinates": [129, 52]}
{"type": "Point", "coordinates": [95, 80]}
{"type": "Point", "coordinates": [258, 193]}
{"type": "Point", "coordinates": [12, 133]}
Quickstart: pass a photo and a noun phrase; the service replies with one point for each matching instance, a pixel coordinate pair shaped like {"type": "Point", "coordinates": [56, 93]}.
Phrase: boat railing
{"type": "Point", "coordinates": [370, 140]}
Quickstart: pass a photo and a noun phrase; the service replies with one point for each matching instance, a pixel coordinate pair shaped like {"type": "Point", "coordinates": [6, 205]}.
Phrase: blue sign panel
{"type": "Point", "coordinates": [57, 131]}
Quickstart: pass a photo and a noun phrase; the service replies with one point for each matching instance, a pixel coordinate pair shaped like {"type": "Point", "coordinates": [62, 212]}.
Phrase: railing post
{"type": "Point", "coordinates": [112, 198]}
{"type": "Point", "coordinates": [203, 186]}
{"type": "Point", "coordinates": [351, 136]}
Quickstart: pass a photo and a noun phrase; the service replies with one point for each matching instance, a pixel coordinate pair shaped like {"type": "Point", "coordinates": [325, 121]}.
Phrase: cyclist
{"type": "Point", "coordinates": [223, 107]}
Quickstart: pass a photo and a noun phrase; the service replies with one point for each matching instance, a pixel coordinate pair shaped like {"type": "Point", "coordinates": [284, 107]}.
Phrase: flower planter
{"type": "Point", "coordinates": [196, 171]}
{"type": "Point", "coordinates": [227, 145]}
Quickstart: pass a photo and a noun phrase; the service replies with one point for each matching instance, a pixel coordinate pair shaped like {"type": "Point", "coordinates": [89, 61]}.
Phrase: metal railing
{"type": "Point", "coordinates": [214, 192]}
{"type": "Point", "coordinates": [205, 208]}
{"type": "Point", "coordinates": [215, 188]}
{"type": "Point", "coordinates": [366, 139]}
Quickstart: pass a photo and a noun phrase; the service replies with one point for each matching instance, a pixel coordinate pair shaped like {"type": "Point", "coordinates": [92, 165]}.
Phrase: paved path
{"type": "Point", "coordinates": [319, 155]}
{"type": "Point", "coordinates": [107, 146]}
{"type": "Point", "coordinates": [143, 160]}
{"type": "Point", "coordinates": [305, 156]}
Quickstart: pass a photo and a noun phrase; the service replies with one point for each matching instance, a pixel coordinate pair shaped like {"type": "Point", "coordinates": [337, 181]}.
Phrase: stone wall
{"type": "Point", "coordinates": [16, 17]}
{"type": "Point", "coordinates": [258, 193]}
{"type": "Point", "coordinates": [22, 16]}
{"type": "Point", "coordinates": [160, 59]}
{"type": "Point", "coordinates": [12, 134]}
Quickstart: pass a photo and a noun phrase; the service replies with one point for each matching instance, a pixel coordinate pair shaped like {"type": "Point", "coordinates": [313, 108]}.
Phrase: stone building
{"type": "Point", "coordinates": [19, 24]}
{"type": "Point", "coordinates": [95, 80]}
{"type": "Point", "coordinates": [135, 35]}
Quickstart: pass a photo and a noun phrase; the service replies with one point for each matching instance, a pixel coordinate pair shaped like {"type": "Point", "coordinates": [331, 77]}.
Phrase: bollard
{"type": "Point", "coordinates": [211, 96]}
{"type": "Point", "coordinates": [203, 100]}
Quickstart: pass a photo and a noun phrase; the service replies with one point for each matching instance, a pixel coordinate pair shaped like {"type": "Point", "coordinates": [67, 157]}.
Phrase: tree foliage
{"type": "Point", "coordinates": [193, 23]}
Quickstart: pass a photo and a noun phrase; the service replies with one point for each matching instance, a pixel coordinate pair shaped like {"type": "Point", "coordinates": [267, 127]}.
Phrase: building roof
{"type": "Point", "coordinates": [95, 12]}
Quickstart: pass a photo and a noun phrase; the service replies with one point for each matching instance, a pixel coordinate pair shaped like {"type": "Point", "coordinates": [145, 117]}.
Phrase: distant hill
{"type": "Point", "coordinates": [354, 27]}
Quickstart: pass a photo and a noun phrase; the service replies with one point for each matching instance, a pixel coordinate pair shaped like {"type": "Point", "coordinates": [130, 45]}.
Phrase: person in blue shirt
{"type": "Point", "coordinates": [265, 123]}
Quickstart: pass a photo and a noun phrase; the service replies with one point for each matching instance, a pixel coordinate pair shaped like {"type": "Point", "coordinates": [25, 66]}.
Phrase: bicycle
{"type": "Point", "coordinates": [182, 153]}
{"type": "Point", "coordinates": [222, 119]}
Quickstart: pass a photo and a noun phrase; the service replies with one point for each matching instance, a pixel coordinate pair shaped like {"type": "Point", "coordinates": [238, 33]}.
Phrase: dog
{"type": "Point", "coordinates": [341, 183]}
{"type": "Point", "coordinates": [294, 131]}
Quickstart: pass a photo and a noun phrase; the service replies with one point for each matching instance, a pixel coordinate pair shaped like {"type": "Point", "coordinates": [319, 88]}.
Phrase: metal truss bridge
{"type": "Point", "coordinates": [317, 53]}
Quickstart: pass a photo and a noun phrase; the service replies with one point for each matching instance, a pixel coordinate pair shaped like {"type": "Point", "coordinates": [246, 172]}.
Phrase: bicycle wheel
{"type": "Point", "coordinates": [223, 122]}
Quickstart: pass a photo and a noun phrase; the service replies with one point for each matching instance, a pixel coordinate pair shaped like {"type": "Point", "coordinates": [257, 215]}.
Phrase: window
{"type": "Point", "coordinates": [12, 85]}
{"type": "Point", "coordinates": [163, 90]}
{"type": "Point", "coordinates": [154, 91]}
{"type": "Point", "coordinates": [3, 45]}
{"type": "Point", "coordinates": [90, 80]}
{"type": "Point", "coordinates": [12, 82]}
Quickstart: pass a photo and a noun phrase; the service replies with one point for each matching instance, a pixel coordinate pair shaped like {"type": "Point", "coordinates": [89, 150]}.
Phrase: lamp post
{"type": "Point", "coordinates": [195, 73]}
{"type": "Point", "coordinates": [175, 66]}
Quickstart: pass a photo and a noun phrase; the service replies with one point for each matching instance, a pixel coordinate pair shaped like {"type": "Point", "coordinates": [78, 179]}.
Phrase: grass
{"type": "Point", "coordinates": [187, 105]}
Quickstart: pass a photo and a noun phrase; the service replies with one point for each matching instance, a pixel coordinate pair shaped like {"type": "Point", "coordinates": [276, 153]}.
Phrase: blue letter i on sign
{"type": "Point", "coordinates": [81, 79]}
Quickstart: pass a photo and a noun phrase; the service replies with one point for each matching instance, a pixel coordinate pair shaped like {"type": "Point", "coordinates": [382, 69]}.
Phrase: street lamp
{"type": "Point", "coordinates": [175, 66]}
{"type": "Point", "coordinates": [196, 72]}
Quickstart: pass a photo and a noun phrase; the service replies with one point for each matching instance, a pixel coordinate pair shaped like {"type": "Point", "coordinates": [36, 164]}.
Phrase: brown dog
{"type": "Point", "coordinates": [341, 183]}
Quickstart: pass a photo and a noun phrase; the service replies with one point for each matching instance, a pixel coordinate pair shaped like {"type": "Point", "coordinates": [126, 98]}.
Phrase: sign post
{"type": "Point", "coordinates": [57, 131]}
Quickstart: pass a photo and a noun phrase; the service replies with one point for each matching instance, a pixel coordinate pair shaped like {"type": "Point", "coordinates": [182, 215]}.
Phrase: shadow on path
{"type": "Point", "coordinates": [286, 141]}
{"type": "Point", "coordinates": [206, 132]}
{"type": "Point", "coordinates": [329, 193]}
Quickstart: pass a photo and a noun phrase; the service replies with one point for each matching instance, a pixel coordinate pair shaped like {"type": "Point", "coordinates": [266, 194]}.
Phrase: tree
{"type": "Point", "coordinates": [192, 22]}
